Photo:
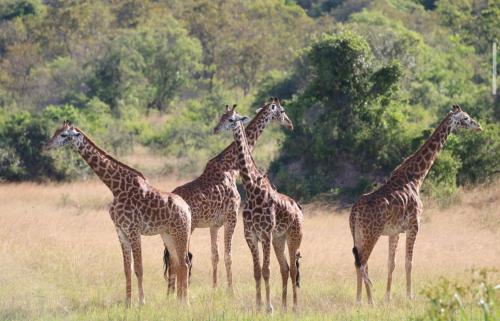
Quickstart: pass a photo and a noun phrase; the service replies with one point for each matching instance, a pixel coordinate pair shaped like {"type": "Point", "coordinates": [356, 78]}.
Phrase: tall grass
{"type": "Point", "coordinates": [61, 260]}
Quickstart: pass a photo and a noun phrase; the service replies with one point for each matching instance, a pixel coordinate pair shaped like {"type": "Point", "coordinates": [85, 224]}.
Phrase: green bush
{"type": "Point", "coordinates": [12, 9]}
{"type": "Point", "coordinates": [345, 122]}
{"type": "Point", "coordinates": [479, 155]}
{"type": "Point", "coordinates": [23, 134]}
{"type": "Point", "coordinates": [146, 66]}
{"type": "Point", "coordinates": [22, 137]}
{"type": "Point", "coordinates": [475, 299]}
{"type": "Point", "coordinates": [188, 134]}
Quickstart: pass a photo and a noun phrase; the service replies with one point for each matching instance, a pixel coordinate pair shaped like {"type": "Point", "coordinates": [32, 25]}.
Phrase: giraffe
{"type": "Point", "coordinates": [137, 209]}
{"type": "Point", "coordinates": [395, 207]}
{"type": "Point", "coordinates": [213, 197]}
{"type": "Point", "coordinates": [269, 217]}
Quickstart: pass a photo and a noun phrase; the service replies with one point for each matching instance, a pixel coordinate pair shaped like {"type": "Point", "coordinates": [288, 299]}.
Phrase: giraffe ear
{"type": "Point", "coordinates": [244, 119]}
{"type": "Point", "coordinates": [456, 109]}
{"type": "Point", "coordinates": [258, 110]}
{"type": "Point", "coordinates": [227, 108]}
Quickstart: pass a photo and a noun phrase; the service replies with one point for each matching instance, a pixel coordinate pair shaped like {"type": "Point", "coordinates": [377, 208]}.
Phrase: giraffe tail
{"type": "Point", "coordinates": [357, 260]}
{"type": "Point", "coordinates": [190, 263]}
{"type": "Point", "coordinates": [297, 264]}
{"type": "Point", "coordinates": [361, 267]}
{"type": "Point", "coordinates": [166, 261]}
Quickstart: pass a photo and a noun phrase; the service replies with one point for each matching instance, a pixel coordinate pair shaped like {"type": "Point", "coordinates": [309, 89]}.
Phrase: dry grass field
{"type": "Point", "coordinates": [61, 260]}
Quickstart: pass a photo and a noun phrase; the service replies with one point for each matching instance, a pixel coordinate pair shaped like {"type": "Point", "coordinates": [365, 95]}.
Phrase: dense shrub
{"type": "Point", "coordinates": [362, 97]}
{"type": "Point", "coordinates": [476, 298]}
{"type": "Point", "coordinates": [345, 122]}
{"type": "Point", "coordinates": [146, 66]}
{"type": "Point", "coordinates": [21, 157]}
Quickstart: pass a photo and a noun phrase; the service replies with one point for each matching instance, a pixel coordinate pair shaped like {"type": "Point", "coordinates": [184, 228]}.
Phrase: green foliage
{"type": "Point", "coordinates": [343, 111]}
{"type": "Point", "coordinates": [363, 81]}
{"type": "Point", "coordinates": [441, 182]}
{"type": "Point", "coordinates": [452, 301]}
{"type": "Point", "coordinates": [146, 66]}
{"type": "Point", "coordinates": [189, 135]}
{"type": "Point", "coordinates": [22, 137]}
{"type": "Point", "coordinates": [240, 51]}
{"type": "Point", "coordinates": [479, 154]}
{"type": "Point", "coordinates": [478, 24]}
{"type": "Point", "coordinates": [11, 9]}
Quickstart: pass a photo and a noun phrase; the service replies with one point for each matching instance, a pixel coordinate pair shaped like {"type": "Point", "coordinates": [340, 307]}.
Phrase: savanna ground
{"type": "Point", "coordinates": [61, 260]}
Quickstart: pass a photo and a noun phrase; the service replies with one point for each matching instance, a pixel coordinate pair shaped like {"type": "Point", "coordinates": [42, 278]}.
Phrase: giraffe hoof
{"type": "Point", "coordinates": [270, 309]}
{"type": "Point", "coordinates": [142, 301]}
{"type": "Point", "coordinates": [387, 298]}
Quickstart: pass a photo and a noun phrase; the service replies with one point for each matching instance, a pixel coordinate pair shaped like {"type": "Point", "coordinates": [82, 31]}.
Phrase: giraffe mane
{"type": "Point", "coordinates": [135, 171]}
{"type": "Point", "coordinates": [410, 158]}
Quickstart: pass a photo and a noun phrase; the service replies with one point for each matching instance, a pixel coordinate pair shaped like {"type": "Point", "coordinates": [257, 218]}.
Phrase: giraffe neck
{"type": "Point", "coordinates": [245, 162]}
{"type": "Point", "coordinates": [257, 126]}
{"type": "Point", "coordinates": [111, 171]}
{"type": "Point", "coordinates": [416, 167]}
{"type": "Point", "coordinates": [227, 159]}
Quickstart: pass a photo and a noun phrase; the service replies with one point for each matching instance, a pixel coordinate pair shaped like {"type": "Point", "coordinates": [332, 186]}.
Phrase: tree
{"type": "Point", "coordinates": [147, 66]}
{"type": "Point", "coordinates": [344, 119]}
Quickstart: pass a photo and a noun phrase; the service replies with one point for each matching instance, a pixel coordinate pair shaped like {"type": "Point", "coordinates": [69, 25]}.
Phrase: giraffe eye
{"type": "Point", "coordinates": [231, 120]}
{"type": "Point", "coordinates": [64, 135]}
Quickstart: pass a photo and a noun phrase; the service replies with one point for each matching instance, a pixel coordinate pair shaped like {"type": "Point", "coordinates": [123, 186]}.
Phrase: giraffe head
{"type": "Point", "coordinates": [229, 120]}
{"type": "Point", "coordinates": [276, 112]}
{"type": "Point", "coordinates": [65, 135]}
{"type": "Point", "coordinates": [460, 119]}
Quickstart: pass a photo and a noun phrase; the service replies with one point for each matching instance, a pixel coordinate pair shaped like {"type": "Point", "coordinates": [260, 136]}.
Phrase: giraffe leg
{"type": "Point", "coordinates": [168, 271]}
{"type": "Point", "coordinates": [364, 254]}
{"type": "Point", "coordinates": [127, 266]}
{"type": "Point", "coordinates": [393, 244]}
{"type": "Point", "coordinates": [215, 252]}
{"type": "Point", "coordinates": [294, 241]}
{"type": "Point", "coordinates": [266, 270]}
{"type": "Point", "coordinates": [279, 250]}
{"type": "Point", "coordinates": [411, 235]}
{"type": "Point", "coordinates": [135, 241]}
{"type": "Point", "coordinates": [173, 262]}
{"type": "Point", "coordinates": [359, 285]}
{"type": "Point", "coordinates": [228, 238]}
{"type": "Point", "coordinates": [181, 246]}
{"type": "Point", "coordinates": [368, 286]}
{"type": "Point", "coordinates": [257, 272]}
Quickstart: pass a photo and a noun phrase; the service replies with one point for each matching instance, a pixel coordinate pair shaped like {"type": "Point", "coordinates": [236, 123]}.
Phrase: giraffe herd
{"type": "Point", "coordinates": [270, 218]}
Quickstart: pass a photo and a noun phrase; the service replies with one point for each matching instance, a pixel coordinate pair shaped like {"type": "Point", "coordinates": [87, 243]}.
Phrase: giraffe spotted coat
{"type": "Point", "coordinates": [213, 197]}
{"type": "Point", "coordinates": [395, 207]}
{"type": "Point", "coordinates": [269, 217]}
{"type": "Point", "coordinates": [137, 209]}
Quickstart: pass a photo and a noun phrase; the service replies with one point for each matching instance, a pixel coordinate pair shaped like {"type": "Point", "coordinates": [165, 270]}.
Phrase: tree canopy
{"type": "Point", "coordinates": [364, 82]}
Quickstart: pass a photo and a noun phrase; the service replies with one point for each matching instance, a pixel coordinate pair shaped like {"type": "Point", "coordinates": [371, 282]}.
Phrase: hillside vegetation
{"type": "Point", "coordinates": [364, 82]}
